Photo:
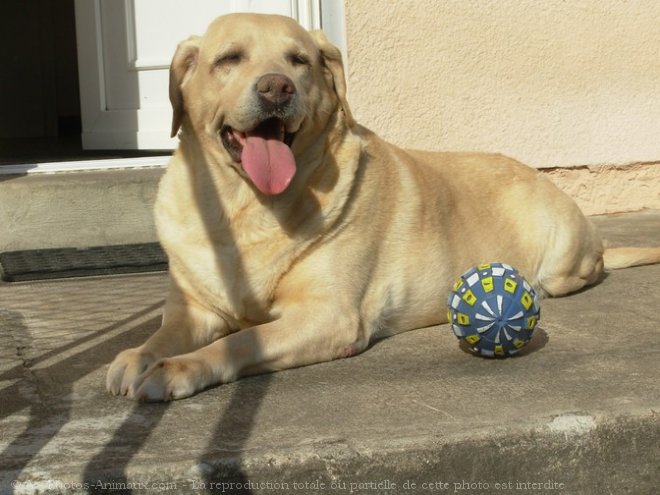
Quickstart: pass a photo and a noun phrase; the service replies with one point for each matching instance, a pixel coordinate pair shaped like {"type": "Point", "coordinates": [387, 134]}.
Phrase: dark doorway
{"type": "Point", "coordinates": [39, 90]}
{"type": "Point", "coordinates": [39, 93]}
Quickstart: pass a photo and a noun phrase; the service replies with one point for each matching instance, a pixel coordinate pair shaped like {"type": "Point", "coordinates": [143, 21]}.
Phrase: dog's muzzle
{"type": "Point", "coordinates": [263, 151]}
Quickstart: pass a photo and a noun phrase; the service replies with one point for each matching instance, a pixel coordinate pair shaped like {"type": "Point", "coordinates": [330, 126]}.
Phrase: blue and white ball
{"type": "Point", "coordinates": [494, 310]}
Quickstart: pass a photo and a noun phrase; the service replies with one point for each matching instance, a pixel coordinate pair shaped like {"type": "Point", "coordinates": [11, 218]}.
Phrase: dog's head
{"type": "Point", "coordinates": [254, 90]}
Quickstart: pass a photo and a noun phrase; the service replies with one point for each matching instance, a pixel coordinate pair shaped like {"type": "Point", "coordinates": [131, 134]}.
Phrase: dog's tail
{"type": "Point", "coordinates": [624, 257]}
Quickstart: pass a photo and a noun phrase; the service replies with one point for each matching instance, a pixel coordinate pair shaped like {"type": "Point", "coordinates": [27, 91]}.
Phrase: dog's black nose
{"type": "Point", "coordinates": [275, 90]}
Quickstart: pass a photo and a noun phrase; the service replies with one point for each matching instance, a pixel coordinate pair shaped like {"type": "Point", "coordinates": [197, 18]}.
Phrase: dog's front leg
{"type": "Point", "coordinates": [186, 327]}
{"type": "Point", "coordinates": [305, 334]}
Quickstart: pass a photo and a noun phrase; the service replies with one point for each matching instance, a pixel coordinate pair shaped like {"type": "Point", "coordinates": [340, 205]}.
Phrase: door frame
{"type": "Point", "coordinates": [130, 128]}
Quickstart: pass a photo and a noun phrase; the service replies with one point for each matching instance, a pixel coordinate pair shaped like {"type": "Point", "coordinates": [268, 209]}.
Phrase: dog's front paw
{"type": "Point", "coordinates": [171, 378]}
{"type": "Point", "coordinates": [125, 370]}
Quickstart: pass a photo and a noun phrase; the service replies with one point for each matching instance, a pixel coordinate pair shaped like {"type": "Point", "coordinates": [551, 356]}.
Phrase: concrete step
{"type": "Point", "coordinates": [77, 209]}
{"type": "Point", "coordinates": [575, 413]}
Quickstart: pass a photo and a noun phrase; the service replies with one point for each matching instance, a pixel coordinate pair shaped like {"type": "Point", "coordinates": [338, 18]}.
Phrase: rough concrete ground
{"type": "Point", "coordinates": [576, 413]}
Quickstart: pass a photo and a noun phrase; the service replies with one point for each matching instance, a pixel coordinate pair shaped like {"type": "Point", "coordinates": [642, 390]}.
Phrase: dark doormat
{"type": "Point", "coordinates": [41, 264]}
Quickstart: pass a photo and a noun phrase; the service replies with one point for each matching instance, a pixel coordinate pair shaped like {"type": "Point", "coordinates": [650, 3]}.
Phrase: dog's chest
{"type": "Point", "coordinates": [236, 280]}
{"type": "Point", "coordinates": [231, 257]}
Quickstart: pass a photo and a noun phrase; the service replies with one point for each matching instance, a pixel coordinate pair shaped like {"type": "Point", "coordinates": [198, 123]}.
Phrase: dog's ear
{"type": "Point", "coordinates": [183, 63]}
{"type": "Point", "coordinates": [332, 60]}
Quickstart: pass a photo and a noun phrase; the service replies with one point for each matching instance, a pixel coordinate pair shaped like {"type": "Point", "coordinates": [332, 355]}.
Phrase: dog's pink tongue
{"type": "Point", "coordinates": [269, 163]}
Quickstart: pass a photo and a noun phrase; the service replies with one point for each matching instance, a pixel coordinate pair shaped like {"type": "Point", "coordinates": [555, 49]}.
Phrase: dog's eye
{"type": "Point", "coordinates": [231, 58]}
{"type": "Point", "coordinates": [298, 59]}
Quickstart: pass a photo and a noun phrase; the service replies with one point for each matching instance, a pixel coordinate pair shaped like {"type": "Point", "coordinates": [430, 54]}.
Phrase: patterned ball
{"type": "Point", "coordinates": [494, 309]}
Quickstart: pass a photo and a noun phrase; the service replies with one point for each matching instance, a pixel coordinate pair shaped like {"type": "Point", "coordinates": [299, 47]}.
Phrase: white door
{"type": "Point", "coordinates": [124, 52]}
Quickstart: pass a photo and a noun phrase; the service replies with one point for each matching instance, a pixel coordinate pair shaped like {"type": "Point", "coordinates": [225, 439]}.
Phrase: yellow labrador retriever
{"type": "Point", "coordinates": [295, 235]}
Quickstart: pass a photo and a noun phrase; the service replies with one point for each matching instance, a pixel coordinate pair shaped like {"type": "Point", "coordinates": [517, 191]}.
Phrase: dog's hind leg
{"type": "Point", "coordinates": [573, 258]}
{"type": "Point", "coordinates": [589, 272]}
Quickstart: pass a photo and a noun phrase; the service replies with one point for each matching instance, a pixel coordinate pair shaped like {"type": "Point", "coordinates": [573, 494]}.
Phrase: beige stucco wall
{"type": "Point", "coordinates": [551, 83]}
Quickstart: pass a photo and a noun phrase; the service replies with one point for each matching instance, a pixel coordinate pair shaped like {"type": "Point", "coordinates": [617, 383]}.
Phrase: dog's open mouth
{"type": "Point", "coordinates": [264, 153]}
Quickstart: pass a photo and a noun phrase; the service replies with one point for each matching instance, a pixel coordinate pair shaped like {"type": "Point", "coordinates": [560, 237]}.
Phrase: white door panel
{"type": "Point", "coordinates": [124, 52]}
